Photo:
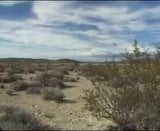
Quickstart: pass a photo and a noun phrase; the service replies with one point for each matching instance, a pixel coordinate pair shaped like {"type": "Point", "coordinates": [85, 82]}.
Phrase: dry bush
{"type": "Point", "coordinates": [30, 68]}
{"type": "Point", "coordinates": [55, 82]}
{"type": "Point", "coordinates": [63, 70]}
{"type": "Point", "coordinates": [9, 78]}
{"type": "Point", "coordinates": [56, 74]}
{"type": "Point", "coordinates": [13, 118]}
{"type": "Point", "coordinates": [16, 68]}
{"type": "Point", "coordinates": [70, 79]}
{"type": "Point", "coordinates": [44, 78]}
{"type": "Point", "coordinates": [53, 94]}
{"type": "Point", "coordinates": [10, 92]}
{"type": "Point", "coordinates": [33, 90]}
{"type": "Point", "coordinates": [20, 86]}
{"type": "Point", "coordinates": [49, 79]}
{"type": "Point", "coordinates": [34, 84]}
{"type": "Point", "coordinates": [129, 107]}
{"type": "Point", "coordinates": [2, 86]}
{"type": "Point", "coordinates": [2, 67]}
{"type": "Point", "coordinates": [131, 94]}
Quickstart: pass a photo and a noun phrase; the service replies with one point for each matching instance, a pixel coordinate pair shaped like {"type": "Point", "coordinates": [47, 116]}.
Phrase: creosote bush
{"type": "Point", "coordinates": [33, 90]}
{"type": "Point", "coordinates": [20, 86]}
{"type": "Point", "coordinates": [51, 79]}
{"type": "Point", "coordinates": [13, 118]}
{"type": "Point", "coordinates": [129, 93]}
{"type": "Point", "coordinates": [53, 94]}
{"type": "Point", "coordinates": [8, 78]}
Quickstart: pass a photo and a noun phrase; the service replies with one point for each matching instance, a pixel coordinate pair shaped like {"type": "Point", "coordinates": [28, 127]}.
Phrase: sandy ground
{"type": "Point", "coordinates": [68, 115]}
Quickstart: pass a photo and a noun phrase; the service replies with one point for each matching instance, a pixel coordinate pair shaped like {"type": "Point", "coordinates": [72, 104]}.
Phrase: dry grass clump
{"type": "Point", "coordinates": [130, 94]}
{"type": "Point", "coordinates": [13, 118]}
{"type": "Point", "coordinates": [53, 94]}
{"type": "Point", "coordinates": [20, 86]}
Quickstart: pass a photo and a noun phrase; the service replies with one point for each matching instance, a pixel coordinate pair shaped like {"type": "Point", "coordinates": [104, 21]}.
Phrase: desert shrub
{"type": "Point", "coordinates": [53, 94]}
{"type": "Point", "coordinates": [30, 69]}
{"type": "Point", "coordinates": [9, 78]}
{"type": "Point", "coordinates": [130, 94]}
{"type": "Point", "coordinates": [55, 82]}
{"type": "Point", "coordinates": [20, 86]}
{"type": "Point", "coordinates": [2, 86]}
{"type": "Point", "coordinates": [129, 107]}
{"type": "Point", "coordinates": [56, 74]}
{"type": "Point", "coordinates": [2, 67]}
{"type": "Point", "coordinates": [70, 79]}
{"type": "Point", "coordinates": [13, 118]}
{"type": "Point", "coordinates": [15, 69]}
{"type": "Point", "coordinates": [34, 84]}
{"type": "Point", "coordinates": [44, 78]}
{"type": "Point", "coordinates": [33, 90]}
{"type": "Point", "coordinates": [49, 79]}
{"type": "Point", "coordinates": [62, 70]}
{"type": "Point", "coordinates": [10, 92]}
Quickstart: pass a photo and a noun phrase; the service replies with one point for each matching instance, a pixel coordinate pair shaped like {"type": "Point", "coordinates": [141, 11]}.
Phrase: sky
{"type": "Point", "coordinates": [87, 31]}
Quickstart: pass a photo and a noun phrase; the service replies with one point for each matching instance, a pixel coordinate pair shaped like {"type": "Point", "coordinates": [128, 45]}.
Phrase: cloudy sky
{"type": "Point", "coordinates": [76, 29]}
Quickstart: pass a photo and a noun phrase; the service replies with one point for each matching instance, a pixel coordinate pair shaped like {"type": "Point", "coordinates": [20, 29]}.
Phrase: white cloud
{"type": "Point", "coordinates": [10, 3]}
{"type": "Point", "coordinates": [114, 21]}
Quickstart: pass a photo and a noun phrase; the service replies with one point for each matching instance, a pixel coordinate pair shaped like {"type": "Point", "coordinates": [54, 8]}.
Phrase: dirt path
{"type": "Point", "coordinates": [68, 115]}
{"type": "Point", "coordinates": [72, 114]}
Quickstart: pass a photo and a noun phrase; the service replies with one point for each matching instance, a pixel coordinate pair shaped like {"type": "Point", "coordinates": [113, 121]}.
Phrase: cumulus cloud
{"type": "Point", "coordinates": [116, 28]}
{"type": "Point", "coordinates": [10, 3]}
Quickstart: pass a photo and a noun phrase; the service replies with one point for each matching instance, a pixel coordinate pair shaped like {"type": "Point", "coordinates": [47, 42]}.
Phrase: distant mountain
{"type": "Point", "coordinates": [25, 60]}
{"type": "Point", "coordinates": [68, 61]}
{"type": "Point", "coordinates": [30, 60]}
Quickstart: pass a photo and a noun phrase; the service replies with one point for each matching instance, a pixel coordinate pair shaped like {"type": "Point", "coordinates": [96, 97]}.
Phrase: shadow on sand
{"type": "Point", "coordinates": [69, 101]}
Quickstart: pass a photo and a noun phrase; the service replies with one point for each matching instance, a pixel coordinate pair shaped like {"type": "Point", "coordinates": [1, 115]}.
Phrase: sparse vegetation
{"type": "Point", "coordinates": [70, 79]}
{"type": "Point", "coordinates": [53, 94]}
{"type": "Point", "coordinates": [13, 118]}
{"type": "Point", "coordinates": [44, 78]}
{"type": "Point", "coordinates": [2, 86]}
{"type": "Point", "coordinates": [20, 86]}
{"type": "Point", "coordinates": [129, 93]}
{"type": "Point", "coordinates": [8, 78]}
{"type": "Point", "coordinates": [10, 92]}
{"type": "Point", "coordinates": [33, 90]}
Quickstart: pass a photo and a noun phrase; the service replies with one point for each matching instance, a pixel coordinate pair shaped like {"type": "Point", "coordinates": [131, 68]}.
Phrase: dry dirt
{"type": "Point", "coordinates": [70, 114]}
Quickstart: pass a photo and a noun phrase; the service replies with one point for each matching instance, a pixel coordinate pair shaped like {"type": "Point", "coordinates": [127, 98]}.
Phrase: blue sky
{"type": "Point", "coordinates": [76, 29]}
